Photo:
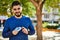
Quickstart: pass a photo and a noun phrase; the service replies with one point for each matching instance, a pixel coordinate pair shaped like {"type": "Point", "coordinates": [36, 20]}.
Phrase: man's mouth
{"type": "Point", "coordinates": [17, 12]}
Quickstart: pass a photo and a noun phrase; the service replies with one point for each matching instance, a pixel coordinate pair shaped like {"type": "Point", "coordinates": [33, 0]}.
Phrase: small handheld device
{"type": "Point", "coordinates": [18, 28]}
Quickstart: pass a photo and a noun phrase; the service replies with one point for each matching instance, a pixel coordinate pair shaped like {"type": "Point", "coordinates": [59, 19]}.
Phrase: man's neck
{"type": "Point", "coordinates": [18, 17]}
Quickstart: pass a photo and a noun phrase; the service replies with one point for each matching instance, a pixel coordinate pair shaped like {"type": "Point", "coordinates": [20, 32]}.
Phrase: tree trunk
{"type": "Point", "coordinates": [39, 4]}
{"type": "Point", "coordinates": [39, 23]}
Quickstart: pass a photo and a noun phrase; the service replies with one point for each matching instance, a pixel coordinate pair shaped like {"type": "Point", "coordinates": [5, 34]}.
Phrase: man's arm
{"type": "Point", "coordinates": [31, 28]}
{"type": "Point", "coordinates": [6, 32]}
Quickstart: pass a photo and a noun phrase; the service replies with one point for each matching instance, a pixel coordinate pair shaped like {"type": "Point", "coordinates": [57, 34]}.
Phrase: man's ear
{"type": "Point", "coordinates": [12, 10]}
{"type": "Point", "coordinates": [21, 9]}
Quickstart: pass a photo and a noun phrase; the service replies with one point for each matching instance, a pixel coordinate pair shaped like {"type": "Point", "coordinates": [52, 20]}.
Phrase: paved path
{"type": "Point", "coordinates": [48, 35]}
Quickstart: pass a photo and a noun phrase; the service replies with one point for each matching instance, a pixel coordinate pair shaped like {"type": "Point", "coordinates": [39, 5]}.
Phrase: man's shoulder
{"type": "Point", "coordinates": [9, 18]}
{"type": "Point", "coordinates": [25, 17]}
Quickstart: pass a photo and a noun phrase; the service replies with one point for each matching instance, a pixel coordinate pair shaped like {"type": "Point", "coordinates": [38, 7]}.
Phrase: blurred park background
{"type": "Point", "coordinates": [50, 17]}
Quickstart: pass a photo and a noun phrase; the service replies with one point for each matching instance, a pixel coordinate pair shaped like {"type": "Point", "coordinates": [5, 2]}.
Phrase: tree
{"type": "Point", "coordinates": [52, 3]}
{"type": "Point", "coordinates": [28, 8]}
{"type": "Point", "coordinates": [38, 5]}
{"type": "Point", "coordinates": [4, 5]}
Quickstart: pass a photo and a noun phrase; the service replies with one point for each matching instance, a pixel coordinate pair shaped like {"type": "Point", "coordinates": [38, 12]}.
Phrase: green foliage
{"type": "Point", "coordinates": [59, 10]}
{"type": "Point", "coordinates": [50, 25]}
{"type": "Point", "coordinates": [45, 24]}
{"type": "Point", "coordinates": [52, 3]}
{"type": "Point", "coordinates": [4, 5]}
{"type": "Point", "coordinates": [28, 8]}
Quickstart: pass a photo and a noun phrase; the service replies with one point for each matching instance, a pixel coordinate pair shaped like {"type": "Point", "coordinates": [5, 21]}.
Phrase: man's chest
{"type": "Point", "coordinates": [21, 23]}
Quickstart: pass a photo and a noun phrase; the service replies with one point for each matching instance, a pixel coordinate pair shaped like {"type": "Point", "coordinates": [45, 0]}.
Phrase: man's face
{"type": "Point", "coordinates": [17, 9]}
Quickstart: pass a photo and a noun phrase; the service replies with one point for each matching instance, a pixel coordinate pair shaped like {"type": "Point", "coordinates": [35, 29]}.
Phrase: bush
{"type": "Point", "coordinates": [52, 26]}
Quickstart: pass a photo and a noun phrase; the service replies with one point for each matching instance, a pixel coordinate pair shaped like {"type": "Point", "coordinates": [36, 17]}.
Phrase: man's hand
{"type": "Point", "coordinates": [14, 32]}
{"type": "Point", "coordinates": [24, 30]}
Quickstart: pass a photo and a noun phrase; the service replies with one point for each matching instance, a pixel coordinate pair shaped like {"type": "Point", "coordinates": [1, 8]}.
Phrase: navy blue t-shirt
{"type": "Point", "coordinates": [12, 23]}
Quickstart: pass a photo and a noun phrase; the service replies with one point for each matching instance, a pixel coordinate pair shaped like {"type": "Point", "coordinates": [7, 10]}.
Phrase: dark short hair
{"type": "Point", "coordinates": [16, 3]}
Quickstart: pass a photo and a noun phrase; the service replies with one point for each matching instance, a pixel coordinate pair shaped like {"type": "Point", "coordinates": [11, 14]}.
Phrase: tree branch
{"type": "Point", "coordinates": [38, 1]}
{"type": "Point", "coordinates": [34, 2]}
{"type": "Point", "coordinates": [42, 2]}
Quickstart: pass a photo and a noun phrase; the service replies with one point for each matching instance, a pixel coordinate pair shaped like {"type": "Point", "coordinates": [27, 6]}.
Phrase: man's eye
{"type": "Point", "coordinates": [14, 9]}
{"type": "Point", "coordinates": [18, 8]}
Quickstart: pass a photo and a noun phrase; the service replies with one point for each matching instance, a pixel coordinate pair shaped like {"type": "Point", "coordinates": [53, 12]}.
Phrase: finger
{"type": "Point", "coordinates": [22, 28]}
{"type": "Point", "coordinates": [24, 31]}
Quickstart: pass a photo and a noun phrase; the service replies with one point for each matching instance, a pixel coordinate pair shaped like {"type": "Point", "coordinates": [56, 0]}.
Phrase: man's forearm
{"type": "Point", "coordinates": [7, 34]}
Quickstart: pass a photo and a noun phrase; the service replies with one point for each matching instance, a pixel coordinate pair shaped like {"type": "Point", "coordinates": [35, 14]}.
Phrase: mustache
{"type": "Point", "coordinates": [17, 12]}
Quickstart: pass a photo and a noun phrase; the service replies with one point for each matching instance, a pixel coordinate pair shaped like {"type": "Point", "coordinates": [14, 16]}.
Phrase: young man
{"type": "Point", "coordinates": [16, 27]}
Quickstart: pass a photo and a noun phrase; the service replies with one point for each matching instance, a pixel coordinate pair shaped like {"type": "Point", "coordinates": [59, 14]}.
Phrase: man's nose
{"type": "Point", "coordinates": [17, 10]}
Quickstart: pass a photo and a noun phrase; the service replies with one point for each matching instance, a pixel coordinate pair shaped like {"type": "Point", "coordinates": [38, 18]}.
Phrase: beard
{"type": "Point", "coordinates": [18, 15]}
